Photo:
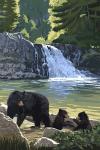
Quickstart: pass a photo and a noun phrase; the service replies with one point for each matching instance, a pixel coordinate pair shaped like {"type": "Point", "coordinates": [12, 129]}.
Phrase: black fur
{"type": "Point", "coordinates": [83, 122]}
{"type": "Point", "coordinates": [59, 120]}
{"type": "Point", "coordinates": [35, 105]}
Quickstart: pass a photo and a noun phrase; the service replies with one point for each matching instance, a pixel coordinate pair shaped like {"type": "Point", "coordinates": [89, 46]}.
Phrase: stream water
{"type": "Point", "coordinates": [73, 94]}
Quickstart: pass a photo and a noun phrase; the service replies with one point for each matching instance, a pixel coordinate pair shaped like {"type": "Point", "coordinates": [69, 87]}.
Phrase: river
{"type": "Point", "coordinates": [73, 94]}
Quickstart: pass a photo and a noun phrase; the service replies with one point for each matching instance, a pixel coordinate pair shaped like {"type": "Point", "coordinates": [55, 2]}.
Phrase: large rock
{"type": "Point", "coordinates": [19, 58]}
{"type": "Point", "coordinates": [69, 123]}
{"type": "Point", "coordinates": [8, 127]}
{"type": "Point", "coordinates": [10, 134]}
{"type": "Point", "coordinates": [45, 142]}
{"type": "Point", "coordinates": [49, 132]}
{"type": "Point", "coordinates": [3, 108]}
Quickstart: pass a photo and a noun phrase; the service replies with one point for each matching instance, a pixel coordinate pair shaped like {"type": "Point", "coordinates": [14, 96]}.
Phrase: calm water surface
{"type": "Point", "coordinates": [72, 94]}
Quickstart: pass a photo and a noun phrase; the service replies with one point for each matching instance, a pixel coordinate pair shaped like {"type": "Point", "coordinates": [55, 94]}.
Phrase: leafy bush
{"type": "Point", "coordinates": [43, 148]}
{"type": "Point", "coordinates": [40, 40]}
{"type": "Point", "coordinates": [79, 140]}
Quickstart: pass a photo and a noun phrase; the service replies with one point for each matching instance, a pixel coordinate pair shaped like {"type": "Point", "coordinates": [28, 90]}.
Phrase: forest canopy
{"type": "Point", "coordinates": [75, 21]}
{"type": "Point", "coordinates": [60, 21]}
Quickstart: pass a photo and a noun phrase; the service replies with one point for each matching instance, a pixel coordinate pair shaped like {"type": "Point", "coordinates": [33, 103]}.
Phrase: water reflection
{"type": "Point", "coordinates": [64, 86]}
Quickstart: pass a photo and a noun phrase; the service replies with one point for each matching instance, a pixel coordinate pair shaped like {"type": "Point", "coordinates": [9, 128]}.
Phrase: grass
{"type": "Point", "coordinates": [13, 143]}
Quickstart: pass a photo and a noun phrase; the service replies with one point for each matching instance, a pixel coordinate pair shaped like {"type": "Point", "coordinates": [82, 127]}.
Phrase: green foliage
{"type": "Point", "coordinates": [42, 148]}
{"type": "Point", "coordinates": [79, 20]}
{"type": "Point", "coordinates": [88, 140]}
{"type": "Point", "coordinates": [34, 18]}
{"type": "Point", "coordinates": [13, 144]}
{"type": "Point", "coordinates": [9, 12]}
{"type": "Point", "coordinates": [40, 40]}
{"type": "Point", "coordinates": [25, 33]}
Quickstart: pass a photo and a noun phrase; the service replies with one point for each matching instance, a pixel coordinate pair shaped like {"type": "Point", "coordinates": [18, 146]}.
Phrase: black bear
{"type": "Point", "coordinates": [59, 119]}
{"type": "Point", "coordinates": [83, 122]}
{"type": "Point", "coordinates": [28, 104]}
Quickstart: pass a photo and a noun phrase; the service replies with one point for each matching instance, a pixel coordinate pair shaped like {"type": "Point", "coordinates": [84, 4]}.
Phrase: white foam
{"type": "Point", "coordinates": [58, 65]}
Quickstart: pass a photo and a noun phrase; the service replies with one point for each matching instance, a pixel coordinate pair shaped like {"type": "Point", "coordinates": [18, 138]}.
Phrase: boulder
{"type": "Point", "coordinates": [94, 123]}
{"type": "Point", "coordinates": [45, 142]}
{"type": "Point", "coordinates": [3, 108]}
{"type": "Point", "coordinates": [8, 128]}
{"type": "Point", "coordinates": [10, 134]}
{"type": "Point", "coordinates": [69, 123]}
{"type": "Point", "coordinates": [49, 132]}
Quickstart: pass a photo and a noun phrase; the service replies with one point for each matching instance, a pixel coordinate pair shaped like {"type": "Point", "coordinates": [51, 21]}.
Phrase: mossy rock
{"type": "Point", "coordinates": [92, 62]}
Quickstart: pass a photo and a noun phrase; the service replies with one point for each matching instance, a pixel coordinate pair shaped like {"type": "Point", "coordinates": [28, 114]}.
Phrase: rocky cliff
{"type": "Point", "coordinates": [19, 58]}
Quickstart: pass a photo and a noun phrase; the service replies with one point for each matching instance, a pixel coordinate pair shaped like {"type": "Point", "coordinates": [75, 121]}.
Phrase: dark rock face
{"type": "Point", "coordinates": [92, 63]}
{"type": "Point", "coordinates": [19, 58]}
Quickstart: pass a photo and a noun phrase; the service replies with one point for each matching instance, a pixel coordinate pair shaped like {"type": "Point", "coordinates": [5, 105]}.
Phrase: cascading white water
{"type": "Point", "coordinates": [58, 65]}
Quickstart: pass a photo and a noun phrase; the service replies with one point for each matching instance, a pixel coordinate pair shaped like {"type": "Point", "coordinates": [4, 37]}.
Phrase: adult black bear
{"type": "Point", "coordinates": [28, 104]}
{"type": "Point", "coordinates": [59, 120]}
{"type": "Point", "coordinates": [83, 122]}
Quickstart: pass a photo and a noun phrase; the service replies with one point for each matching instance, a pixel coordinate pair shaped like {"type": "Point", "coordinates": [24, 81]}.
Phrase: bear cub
{"type": "Point", "coordinates": [83, 122]}
{"type": "Point", "coordinates": [59, 119]}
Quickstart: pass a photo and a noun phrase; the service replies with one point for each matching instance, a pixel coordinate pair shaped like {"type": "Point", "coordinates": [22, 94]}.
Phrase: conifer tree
{"type": "Point", "coordinates": [9, 12]}
{"type": "Point", "coordinates": [77, 19]}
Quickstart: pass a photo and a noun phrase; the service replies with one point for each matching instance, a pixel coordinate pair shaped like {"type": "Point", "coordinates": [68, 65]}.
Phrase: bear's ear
{"type": "Point", "coordinates": [60, 110]}
{"type": "Point", "coordinates": [84, 113]}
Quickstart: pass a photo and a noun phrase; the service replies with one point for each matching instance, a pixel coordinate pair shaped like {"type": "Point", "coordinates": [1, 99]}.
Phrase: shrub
{"type": "Point", "coordinates": [79, 140]}
{"type": "Point", "coordinates": [40, 40]}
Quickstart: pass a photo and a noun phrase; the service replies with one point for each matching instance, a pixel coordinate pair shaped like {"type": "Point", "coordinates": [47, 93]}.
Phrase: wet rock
{"type": "Point", "coordinates": [45, 142]}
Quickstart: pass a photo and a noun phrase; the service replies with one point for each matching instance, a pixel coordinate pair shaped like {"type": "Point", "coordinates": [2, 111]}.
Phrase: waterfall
{"type": "Point", "coordinates": [58, 65]}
